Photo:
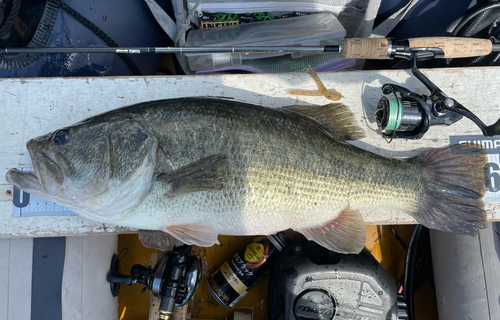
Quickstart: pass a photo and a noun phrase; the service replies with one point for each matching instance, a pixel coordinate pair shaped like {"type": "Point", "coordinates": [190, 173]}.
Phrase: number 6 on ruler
{"type": "Point", "coordinates": [492, 176]}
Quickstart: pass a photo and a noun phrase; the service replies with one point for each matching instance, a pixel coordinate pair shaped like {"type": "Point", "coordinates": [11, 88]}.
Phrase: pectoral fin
{"type": "Point", "coordinates": [202, 236]}
{"type": "Point", "coordinates": [209, 173]}
{"type": "Point", "coordinates": [344, 234]}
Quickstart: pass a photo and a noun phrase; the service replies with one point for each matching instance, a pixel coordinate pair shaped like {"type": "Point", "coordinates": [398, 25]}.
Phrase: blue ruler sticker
{"type": "Point", "coordinates": [28, 205]}
{"type": "Point", "coordinates": [492, 169]}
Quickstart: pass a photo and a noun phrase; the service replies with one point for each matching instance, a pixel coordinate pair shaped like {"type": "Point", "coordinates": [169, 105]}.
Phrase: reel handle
{"type": "Point", "coordinates": [116, 277]}
{"type": "Point", "coordinates": [488, 131]}
{"type": "Point", "coordinates": [493, 130]}
{"type": "Point", "coordinates": [385, 48]}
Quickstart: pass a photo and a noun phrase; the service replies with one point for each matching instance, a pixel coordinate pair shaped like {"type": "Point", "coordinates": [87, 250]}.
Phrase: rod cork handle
{"type": "Point", "coordinates": [365, 48]}
{"type": "Point", "coordinates": [378, 48]}
{"type": "Point", "coordinates": [454, 47]}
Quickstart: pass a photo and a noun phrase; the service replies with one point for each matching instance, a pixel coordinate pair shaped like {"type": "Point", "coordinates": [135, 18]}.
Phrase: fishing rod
{"type": "Point", "coordinates": [404, 114]}
{"type": "Point", "coordinates": [354, 48]}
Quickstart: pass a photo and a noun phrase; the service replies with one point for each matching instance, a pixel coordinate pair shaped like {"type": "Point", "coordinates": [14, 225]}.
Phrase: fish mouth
{"type": "Point", "coordinates": [47, 177]}
{"type": "Point", "coordinates": [25, 180]}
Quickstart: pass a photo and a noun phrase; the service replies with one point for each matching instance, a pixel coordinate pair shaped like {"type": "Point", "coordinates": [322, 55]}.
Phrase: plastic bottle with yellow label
{"type": "Point", "coordinates": [234, 278]}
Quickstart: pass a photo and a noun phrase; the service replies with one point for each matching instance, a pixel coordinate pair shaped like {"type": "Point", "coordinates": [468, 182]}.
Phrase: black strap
{"type": "Point", "coordinates": [16, 61]}
{"type": "Point", "coordinates": [11, 18]}
{"type": "Point", "coordinates": [39, 39]}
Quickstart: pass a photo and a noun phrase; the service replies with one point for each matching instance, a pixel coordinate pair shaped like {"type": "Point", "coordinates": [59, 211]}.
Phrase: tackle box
{"type": "Point", "coordinates": [307, 30]}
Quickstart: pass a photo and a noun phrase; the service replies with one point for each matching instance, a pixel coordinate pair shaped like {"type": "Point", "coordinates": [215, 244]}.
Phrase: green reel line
{"type": "Point", "coordinates": [394, 118]}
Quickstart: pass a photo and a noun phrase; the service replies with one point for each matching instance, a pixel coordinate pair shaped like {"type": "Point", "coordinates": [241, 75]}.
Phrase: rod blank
{"type": "Point", "coordinates": [139, 50]}
{"type": "Point", "coordinates": [361, 48]}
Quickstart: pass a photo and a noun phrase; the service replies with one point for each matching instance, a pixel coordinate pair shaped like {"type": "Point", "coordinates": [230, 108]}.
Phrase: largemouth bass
{"type": "Point", "coordinates": [199, 167]}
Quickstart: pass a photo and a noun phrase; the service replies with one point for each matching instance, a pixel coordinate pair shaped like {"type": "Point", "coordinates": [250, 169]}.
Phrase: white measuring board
{"type": "Point", "coordinates": [28, 205]}
{"type": "Point", "coordinates": [34, 107]}
{"type": "Point", "coordinates": [491, 147]}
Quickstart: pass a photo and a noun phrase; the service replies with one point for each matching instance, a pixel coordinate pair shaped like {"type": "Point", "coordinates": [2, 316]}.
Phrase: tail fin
{"type": "Point", "coordinates": [453, 201]}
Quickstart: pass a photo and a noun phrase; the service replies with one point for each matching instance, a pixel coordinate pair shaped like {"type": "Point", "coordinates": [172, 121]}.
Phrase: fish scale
{"type": "Point", "coordinates": [198, 167]}
{"type": "Point", "coordinates": [328, 182]}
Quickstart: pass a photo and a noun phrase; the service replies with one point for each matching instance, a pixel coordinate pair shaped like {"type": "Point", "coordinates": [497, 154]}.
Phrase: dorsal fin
{"type": "Point", "coordinates": [335, 118]}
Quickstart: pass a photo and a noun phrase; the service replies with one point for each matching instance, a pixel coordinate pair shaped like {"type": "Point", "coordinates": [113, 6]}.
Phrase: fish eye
{"type": "Point", "coordinates": [61, 137]}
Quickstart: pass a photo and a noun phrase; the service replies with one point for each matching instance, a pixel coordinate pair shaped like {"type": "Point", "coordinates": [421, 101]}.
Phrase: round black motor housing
{"type": "Point", "coordinates": [311, 282]}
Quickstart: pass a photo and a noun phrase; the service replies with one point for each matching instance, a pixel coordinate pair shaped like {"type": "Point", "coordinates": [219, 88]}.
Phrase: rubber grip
{"type": "Point", "coordinates": [365, 48]}
{"type": "Point", "coordinates": [455, 47]}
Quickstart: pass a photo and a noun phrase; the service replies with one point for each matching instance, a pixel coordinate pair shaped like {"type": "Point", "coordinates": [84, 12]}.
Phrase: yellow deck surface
{"type": "Point", "coordinates": [380, 242]}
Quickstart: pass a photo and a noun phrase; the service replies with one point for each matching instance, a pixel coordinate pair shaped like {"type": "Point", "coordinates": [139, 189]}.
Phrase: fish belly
{"type": "Point", "coordinates": [269, 193]}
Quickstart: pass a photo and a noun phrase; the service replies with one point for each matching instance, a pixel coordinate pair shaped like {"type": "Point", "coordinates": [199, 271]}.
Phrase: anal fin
{"type": "Point", "coordinates": [344, 234]}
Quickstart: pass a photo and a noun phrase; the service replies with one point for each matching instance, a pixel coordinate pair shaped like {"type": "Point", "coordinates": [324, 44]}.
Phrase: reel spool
{"type": "Point", "coordinates": [396, 114]}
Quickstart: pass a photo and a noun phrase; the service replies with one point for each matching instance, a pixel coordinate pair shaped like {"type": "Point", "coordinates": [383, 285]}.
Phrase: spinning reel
{"type": "Point", "coordinates": [174, 279]}
{"type": "Point", "coordinates": [409, 115]}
